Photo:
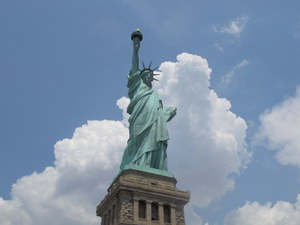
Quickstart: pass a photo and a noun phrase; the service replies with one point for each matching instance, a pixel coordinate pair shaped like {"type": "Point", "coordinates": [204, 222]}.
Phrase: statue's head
{"type": "Point", "coordinates": [147, 75]}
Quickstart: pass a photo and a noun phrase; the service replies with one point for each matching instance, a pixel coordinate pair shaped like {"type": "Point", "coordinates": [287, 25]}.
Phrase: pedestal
{"type": "Point", "coordinates": [141, 198]}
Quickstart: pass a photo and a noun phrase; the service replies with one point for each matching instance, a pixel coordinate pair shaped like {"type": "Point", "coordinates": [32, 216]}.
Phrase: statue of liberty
{"type": "Point", "coordinates": [148, 134]}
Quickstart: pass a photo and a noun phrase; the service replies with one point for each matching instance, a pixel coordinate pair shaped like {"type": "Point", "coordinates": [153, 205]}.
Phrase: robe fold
{"type": "Point", "coordinates": [148, 134]}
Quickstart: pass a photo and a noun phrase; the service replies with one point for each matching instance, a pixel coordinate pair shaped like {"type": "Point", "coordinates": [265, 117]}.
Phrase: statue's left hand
{"type": "Point", "coordinates": [174, 112]}
{"type": "Point", "coordinates": [169, 112]}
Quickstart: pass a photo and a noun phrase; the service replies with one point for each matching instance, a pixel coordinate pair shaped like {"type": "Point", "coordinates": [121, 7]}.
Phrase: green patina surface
{"type": "Point", "coordinates": [149, 170]}
{"type": "Point", "coordinates": [148, 134]}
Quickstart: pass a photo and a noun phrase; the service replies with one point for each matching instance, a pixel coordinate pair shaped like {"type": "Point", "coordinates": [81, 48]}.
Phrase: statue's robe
{"type": "Point", "coordinates": [148, 132]}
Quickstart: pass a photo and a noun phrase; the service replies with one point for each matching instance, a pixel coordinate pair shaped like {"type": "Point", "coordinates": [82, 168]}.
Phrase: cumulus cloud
{"type": "Point", "coordinates": [226, 79]}
{"type": "Point", "coordinates": [279, 130]}
{"type": "Point", "coordinates": [258, 214]}
{"type": "Point", "coordinates": [191, 217]}
{"type": "Point", "coordinates": [69, 192]}
{"type": "Point", "coordinates": [235, 27]}
{"type": "Point", "coordinates": [207, 140]}
{"type": "Point", "coordinates": [122, 103]}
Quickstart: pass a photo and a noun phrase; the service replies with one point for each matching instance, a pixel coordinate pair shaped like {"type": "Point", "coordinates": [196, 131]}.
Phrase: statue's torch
{"type": "Point", "coordinates": [137, 33]}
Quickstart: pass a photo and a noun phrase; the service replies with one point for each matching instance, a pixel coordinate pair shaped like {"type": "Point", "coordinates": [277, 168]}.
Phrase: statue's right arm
{"type": "Point", "coordinates": [135, 55]}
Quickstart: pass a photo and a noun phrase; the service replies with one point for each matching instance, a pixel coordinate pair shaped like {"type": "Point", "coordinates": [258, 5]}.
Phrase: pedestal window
{"type": "Point", "coordinates": [154, 211]}
{"type": "Point", "coordinates": [108, 217]}
{"type": "Point", "coordinates": [167, 214]}
{"type": "Point", "coordinates": [104, 220]}
{"type": "Point", "coordinates": [113, 211]}
{"type": "Point", "coordinates": [142, 209]}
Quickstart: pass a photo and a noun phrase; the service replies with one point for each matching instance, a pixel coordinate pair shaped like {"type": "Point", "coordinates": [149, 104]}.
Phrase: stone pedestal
{"type": "Point", "coordinates": [143, 198]}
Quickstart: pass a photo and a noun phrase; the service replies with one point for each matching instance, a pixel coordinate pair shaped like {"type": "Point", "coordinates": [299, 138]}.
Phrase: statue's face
{"type": "Point", "coordinates": [147, 78]}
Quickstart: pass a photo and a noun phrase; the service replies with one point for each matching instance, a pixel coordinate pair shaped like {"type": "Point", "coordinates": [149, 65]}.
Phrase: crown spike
{"type": "Point", "coordinates": [155, 68]}
{"type": "Point", "coordinates": [155, 79]}
{"type": "Point", "coordinates": [143, 65]}
{"type": "Point", "coordinates": [150, 64]}
{"type": "Point", "coordinates": [156, 74]}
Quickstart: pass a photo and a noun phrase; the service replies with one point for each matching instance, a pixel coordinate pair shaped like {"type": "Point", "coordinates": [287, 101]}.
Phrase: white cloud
{"type": "Point", "coordinates": [282, 213]}
{"type": "Point", "coordinates": [69, 192]}
{"type": "Point", "coordinates": [207, 140]}
{"type": "Point", "coordinates": [122, 103]}
{"type": "Point", "coordinates": [279, 130]}
{"type": "Point", "coordinates": [235, 27]}
{"type": "Point", "coordinates": [226, 79]}
{"type": "Point", "coordinates": [191, 217]}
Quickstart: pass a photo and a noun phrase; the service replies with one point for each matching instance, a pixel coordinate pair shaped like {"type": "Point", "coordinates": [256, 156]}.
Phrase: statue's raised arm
{"type": "Point", "coordinates": [136, 38]}
{"type": "Point", "coordinates": [148, 134]}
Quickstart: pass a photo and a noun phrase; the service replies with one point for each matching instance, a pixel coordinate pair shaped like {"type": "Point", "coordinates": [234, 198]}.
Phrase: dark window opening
{"type": "Point", "coordinates": [113, 214]}
{"type": "Point", "coordinates": [104, 220]}
{"type": "Point", "coordinates": [167, 214]}
{"type": "Point", "coordinates": [154, 211]}
{"type": "Point", "coordinates": [109, 216]}
{"type": "Point", "coordinates": [142, 209]}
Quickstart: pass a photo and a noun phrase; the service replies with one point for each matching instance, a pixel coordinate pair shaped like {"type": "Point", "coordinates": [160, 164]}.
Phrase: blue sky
{"type": "Point", "coordinates": [63, 63]}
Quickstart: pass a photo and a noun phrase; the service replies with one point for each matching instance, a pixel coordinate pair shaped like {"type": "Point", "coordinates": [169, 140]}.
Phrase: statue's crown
{"type": "Point", "coordinates": [149, 69]}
